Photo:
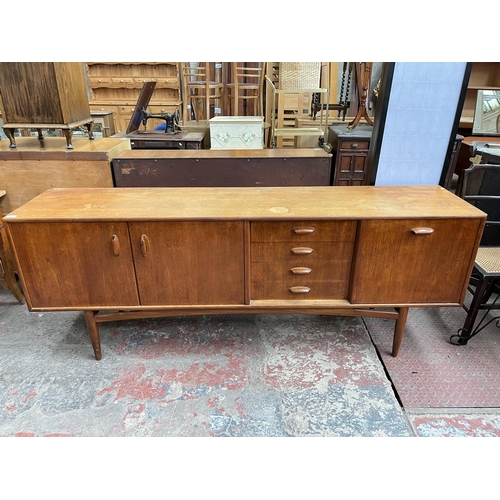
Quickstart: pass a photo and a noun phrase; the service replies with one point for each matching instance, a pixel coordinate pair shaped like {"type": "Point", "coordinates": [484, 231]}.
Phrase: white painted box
{"type": "Point", "coordinates": [237, 132]}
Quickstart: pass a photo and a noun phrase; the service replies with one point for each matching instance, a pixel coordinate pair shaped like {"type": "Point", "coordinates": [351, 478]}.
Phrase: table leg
{"type": "Point", "coordinates": [90, 128]}
{"type": "Point", "coordinates": [9, 132]}
{"type": "Point", "coordinates": [68, 134]}
{"type": "Point", "coordinates": [94, 333]}
{"type": "Point", "coordinates": [399, 329]}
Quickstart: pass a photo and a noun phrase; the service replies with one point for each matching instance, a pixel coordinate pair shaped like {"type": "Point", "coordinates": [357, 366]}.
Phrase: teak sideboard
{"type": "Point", "coordinates": [122, 253]}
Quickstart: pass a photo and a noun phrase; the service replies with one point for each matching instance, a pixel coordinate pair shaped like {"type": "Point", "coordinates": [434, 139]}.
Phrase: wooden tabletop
{"type": "Point", "coordinates": [269, 203]}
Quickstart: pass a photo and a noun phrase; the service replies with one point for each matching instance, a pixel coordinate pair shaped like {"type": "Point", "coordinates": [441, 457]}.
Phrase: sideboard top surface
{"type": "Point", "coordinates": [266, 203]}
{"type": "Point", "coordinates": [225, 153]}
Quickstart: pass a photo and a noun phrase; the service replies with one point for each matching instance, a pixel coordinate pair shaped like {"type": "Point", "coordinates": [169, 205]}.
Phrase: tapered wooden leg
{"type": "Point", "coordinates": [399, 329]}
{"type": "Point", "coordinates": [7, 264]}
{"type": "Point", "coordinates": [94, 333]}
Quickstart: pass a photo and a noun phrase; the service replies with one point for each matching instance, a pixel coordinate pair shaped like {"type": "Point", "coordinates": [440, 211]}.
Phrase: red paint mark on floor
{"type": "Point", "coordinates": [24, 434]}
{"type": "Point", "coordinates": [460, 426]}
{"type": "Point", "coordinates": [11, 408]}
{"type": "Point", "coordinates": [134, 385]}
{"type": "Point", "coordinates": [29, 395]}
{"type": "Point", "coordinates": [232, 375]}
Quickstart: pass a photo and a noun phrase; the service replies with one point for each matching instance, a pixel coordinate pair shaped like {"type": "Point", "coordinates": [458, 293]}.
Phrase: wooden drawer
{"type": "Point", "coordinates": [277, 290]}
{"type": "Point", "coordinates": [354, 144]}
{"type": "Point", "coordinates": [301, 254]}
{"type": "Point", "coordinates": [296, 231]}
{"type": "Point", "coordinates": [314, 272]}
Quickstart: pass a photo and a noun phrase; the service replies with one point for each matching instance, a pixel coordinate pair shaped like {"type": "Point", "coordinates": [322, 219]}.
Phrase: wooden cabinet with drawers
{"type": "Point", "coordinates": [350, 150]}
{"type": "Point", "coordinates": [146, 252]}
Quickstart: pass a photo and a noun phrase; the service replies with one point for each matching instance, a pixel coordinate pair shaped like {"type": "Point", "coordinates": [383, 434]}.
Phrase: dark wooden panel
{"type": "Point", "coordinates": [221, 172]}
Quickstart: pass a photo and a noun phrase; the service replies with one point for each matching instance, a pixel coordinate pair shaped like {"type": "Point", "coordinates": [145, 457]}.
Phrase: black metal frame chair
{"type": "Point", "coordinates": [480, 186]}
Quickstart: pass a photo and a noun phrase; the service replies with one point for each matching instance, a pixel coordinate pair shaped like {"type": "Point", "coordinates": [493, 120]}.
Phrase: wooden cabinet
{"type": "Point", "coordinates": [354, 250]}
{"type": "Point", "coordinates": [43, 95]}
{"type": "Point", "coordinates": [350, 150]}
{"type": "Point", "coordinates": [35, 166]}
{"type": "Point", "coordinates": [115, 86]}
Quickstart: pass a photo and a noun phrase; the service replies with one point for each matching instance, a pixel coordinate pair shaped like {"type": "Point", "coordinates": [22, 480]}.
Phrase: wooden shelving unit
{"type": "Point", "coordinates": [484, 75]}
{"type": "Point", "coordinates": [116, 87]}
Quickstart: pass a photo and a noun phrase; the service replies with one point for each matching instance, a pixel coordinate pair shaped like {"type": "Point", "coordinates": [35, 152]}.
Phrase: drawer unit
{"type": "Point", "coordinates": [297, 259]}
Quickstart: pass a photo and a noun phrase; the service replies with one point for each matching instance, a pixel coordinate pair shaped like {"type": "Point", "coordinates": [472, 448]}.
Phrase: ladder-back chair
{"type": "Point", "coordinates": [201, 90]}
{"type": "Point", "coordinates": [245, 91]}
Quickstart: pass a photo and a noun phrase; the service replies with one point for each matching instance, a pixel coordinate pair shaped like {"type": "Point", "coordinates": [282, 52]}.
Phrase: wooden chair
{"type": "Point", "coordinates": [7, 276]}
{"type": "Point", "coordinates": [200, 91]}
{"type": "Point", "coordinates": [480, 186]}
{"type": "Point", "coordinates": [245, 91]}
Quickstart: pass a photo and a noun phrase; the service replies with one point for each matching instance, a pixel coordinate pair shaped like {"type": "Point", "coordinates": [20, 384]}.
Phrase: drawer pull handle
{"type": "Point", "coordinates": [302, 250]}
{"type": "Point", "coordinates": [303, 230]}
{"type": "Point", "coordinates": [300, 270]}
{"type": "Point", "coordinates": [144, 245]}
{"type": "Point", "coordinates": [355, 145]}
{"type": "Point", "coordinates": [422, 230]}
{"type": "Point", "coordinates": [299, 289]}
{"type": "Point", "coordinates": [116, 244]}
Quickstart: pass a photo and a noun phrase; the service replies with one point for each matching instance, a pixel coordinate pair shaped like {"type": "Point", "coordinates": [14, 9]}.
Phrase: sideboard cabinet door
{"type": "Point", "coordinates": [412, 261]}
{"type": "Point", "coordinates": [76, 264]}
{"type": "Point", "coordinates": [189, 263]}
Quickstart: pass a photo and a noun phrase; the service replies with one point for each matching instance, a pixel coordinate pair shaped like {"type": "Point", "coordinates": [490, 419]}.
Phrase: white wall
{"type": "Point", "coordinates": [421, 111]}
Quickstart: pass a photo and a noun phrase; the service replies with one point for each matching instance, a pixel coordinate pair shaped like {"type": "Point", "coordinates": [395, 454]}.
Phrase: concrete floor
{"type": "Point", "coordinates": [248, 375]}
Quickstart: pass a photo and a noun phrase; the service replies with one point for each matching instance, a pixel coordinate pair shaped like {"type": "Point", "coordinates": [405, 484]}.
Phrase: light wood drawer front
{"type": "Point", "coordinates": [277, 290]}
{"type": "Point", "coordinates": [295, 275]}
{"type": "Point", "coordinates": [302, 254]}
{"type": "Point", "coordinates": [354, 144]}
{"type": "Point", "coordinates": [303, 231]}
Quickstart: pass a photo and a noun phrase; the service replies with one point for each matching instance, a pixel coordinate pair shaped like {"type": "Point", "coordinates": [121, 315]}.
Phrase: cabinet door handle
{"type": "Point", "coordinates": [303, 230]}
{"type": "Point", "coordinates": [116, 244]}
{"type": "Point", "coordinates": [300, 270]}
{"type": "Point", "coordinates": [144, 245]}
{"type": "Point", "coordinates": [302, 250]}
{"type": "Point", "coordinates": [299, 289]}
{"type": "Point", "coordinates": [422, 230]}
